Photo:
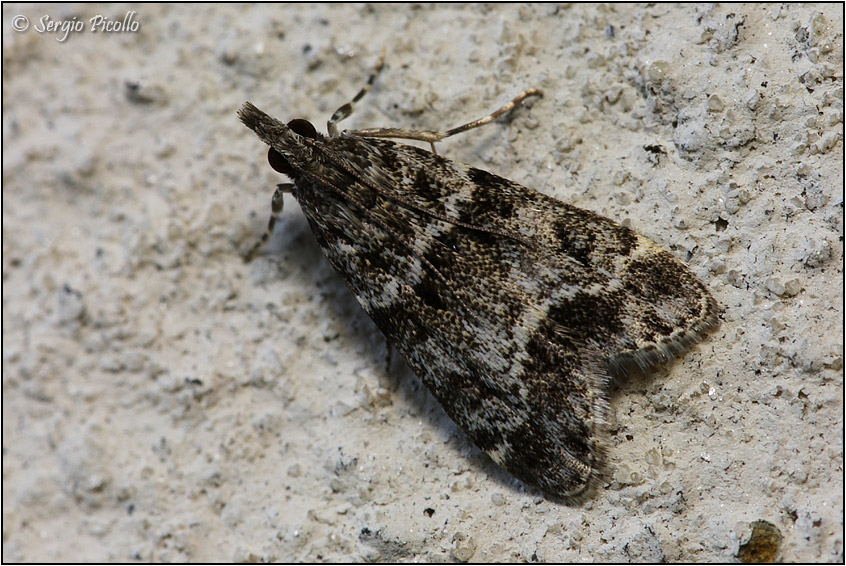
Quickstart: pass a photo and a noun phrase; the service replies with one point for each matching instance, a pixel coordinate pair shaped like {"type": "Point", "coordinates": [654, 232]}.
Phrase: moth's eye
{"type": "Point", "coordinates": [278, 162]}
{"type": "Point", "coordinates": [303, 128]}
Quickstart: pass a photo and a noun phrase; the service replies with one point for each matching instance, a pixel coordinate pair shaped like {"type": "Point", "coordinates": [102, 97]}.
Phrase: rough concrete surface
{"type": "Point", "coordinates": [163, 400]}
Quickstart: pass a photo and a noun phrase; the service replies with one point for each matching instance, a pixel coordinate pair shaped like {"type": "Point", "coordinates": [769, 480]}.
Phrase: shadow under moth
{"type": "Point", "coordinates": [513, 308]}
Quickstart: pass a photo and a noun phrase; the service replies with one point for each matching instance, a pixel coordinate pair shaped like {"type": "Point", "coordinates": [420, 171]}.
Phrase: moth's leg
{"type": "Point", "coordinates": [276, 204]}
{"type": "Point", "coordinates": [347, 109]}
{"type": "Point", "coordinates": [432, 136]}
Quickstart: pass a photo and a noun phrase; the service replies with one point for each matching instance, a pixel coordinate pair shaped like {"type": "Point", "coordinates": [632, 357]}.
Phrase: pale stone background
{"type": "Point", "coordinates": [164, 401]}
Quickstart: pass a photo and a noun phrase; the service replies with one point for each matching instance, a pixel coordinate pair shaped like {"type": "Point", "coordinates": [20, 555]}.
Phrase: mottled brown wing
{"type": "Point", "coordinates": [617, 293]}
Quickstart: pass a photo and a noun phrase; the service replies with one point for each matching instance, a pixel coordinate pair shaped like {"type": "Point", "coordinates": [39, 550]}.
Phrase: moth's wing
{"type": "Point", "coordinates": [615, 292]}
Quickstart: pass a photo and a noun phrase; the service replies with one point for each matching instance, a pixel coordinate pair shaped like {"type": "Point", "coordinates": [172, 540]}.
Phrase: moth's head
{"type": "Point", "coordinates": [278, 160]}
{"type": "Point", "coordinates": [289, 145]}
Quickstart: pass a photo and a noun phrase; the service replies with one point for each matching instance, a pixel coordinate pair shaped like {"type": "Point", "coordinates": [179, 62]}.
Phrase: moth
{"type": "Point", "coordinates": [513, 308]}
